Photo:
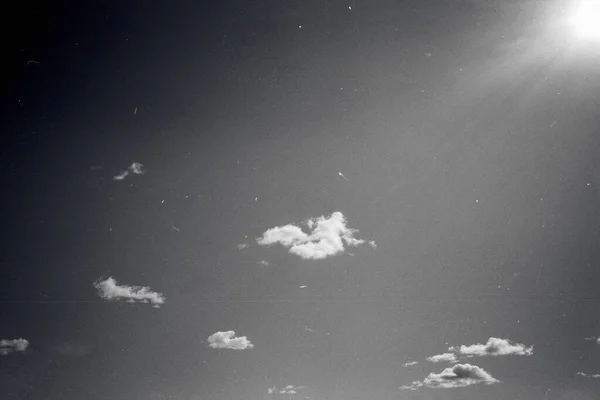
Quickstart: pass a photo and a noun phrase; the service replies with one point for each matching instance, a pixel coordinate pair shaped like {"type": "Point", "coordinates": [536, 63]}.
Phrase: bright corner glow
{"type": "Point", "coordinates": [586, 20]}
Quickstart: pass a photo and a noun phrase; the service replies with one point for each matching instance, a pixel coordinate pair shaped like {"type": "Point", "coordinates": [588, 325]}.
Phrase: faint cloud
{"type": "Point", "coordinates": [410, 363]}
{"type": "Point", "coordinates": [594, 338]}
{"type": "Point", "coordinates": [326, 239]}
{"type": "Point", "coordinates": [372, 244]}
{"type": "Point", "coordinates": [460, 375]}
{"type": "Point", "coordinates": [289, 389]}
{"type": "Point", "coordinates": [135, 168]}
{"type": "Point", "coordinates": [494, 347]}
{"type": "Point", "coordinates": [227, 340]}
{"type": "Point", "coordinates": [594, 376]}
{"type": "Point", "coordinates": [263, 263]}
{"type": "Point", "coordinates": [109, 289]}
{"type": "Point", "coordinates": [243, 246]}
{"type": "Point", "coordinates": [72, 350]}
{"type": "Point", "coordinates": [446, 357]}
{"type": "Point", "coordinates": [9, 346]}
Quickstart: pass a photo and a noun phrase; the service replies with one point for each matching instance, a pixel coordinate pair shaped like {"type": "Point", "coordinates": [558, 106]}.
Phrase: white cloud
{"type": "Point", "coordinates": [446, 357]}
{"type": "Point", "coordinates": [594, 376]}
{"type": "Point", "coordinates": [289, 389]}
{"type": "Point", "coordinates": [594, 338]}
{"type": "Point", "coordinates": [109, 289]}
{"type": "Point", "coordinates": [227, 340]}
{"type": "Point", "coordinates": [121, 176]}
{"type": "Point", "coordinates": [372, 244]}
{"type": "Point", "coordinates": [8, 346]}
{"type": "Point", "coordinates": [410, 363]}
{"type": "Point", "coordinates": [459, 375]}
{"type": "Point", "coordinates": [243, 246]}
{"type": "Point", "coordinates": [327, 237]}
{"type": "Point", "coordinates": [135, 168]}
{"type": "Point", "coordinates": [494, 347]}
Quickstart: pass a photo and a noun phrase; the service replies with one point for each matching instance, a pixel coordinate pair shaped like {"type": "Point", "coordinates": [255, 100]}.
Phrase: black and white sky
{"type": "Point", "coordinates": [275, 199]}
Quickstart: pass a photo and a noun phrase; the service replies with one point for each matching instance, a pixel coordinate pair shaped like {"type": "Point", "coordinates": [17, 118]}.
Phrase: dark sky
{"type": "Point", "coordinates": [440, 158]}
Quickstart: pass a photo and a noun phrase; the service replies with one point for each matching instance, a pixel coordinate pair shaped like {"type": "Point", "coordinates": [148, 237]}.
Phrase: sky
{"type": "Point", "coordinates": [338, 200]}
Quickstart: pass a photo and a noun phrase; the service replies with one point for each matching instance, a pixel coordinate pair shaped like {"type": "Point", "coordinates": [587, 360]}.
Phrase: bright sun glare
{"type": "Point", "coordinates": [586, 20]}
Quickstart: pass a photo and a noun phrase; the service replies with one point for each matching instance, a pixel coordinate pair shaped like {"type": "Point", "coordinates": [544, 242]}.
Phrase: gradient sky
{"type": "Point", "coordinates": [461, 137]}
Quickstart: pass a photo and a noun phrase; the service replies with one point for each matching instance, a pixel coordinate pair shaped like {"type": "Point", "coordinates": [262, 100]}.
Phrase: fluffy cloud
{"type": "Point", "coordinates": [494, 347]}
{"type": "Point", "coordinates": [227, 340]}
{"type": "Point", "coordinates": [460, 375]}
{"type": "Point", "coordinates": [372, 244]}
{"type": "Point", "coordinates": [595, 376]}
{"type": "Point", "coordinates": [9, 346]}
{"type": "Point", "coordinates": [289, 389]}
{"type": "Point", "coordinates": [109, 289]}
{"type": "Point", "coordinates": [326, 239]}
{"type": "Point", "coordinates": [446, 357]}
{"type": "Point", "coordinates": [136, 168]}
{"type": "Point", "coordinates": [410, 363]}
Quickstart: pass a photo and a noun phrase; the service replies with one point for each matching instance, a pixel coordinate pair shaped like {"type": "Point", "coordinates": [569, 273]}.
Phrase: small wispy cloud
{"type": "Point", "coordinates": [108, 289]}
{"type": "Point", "coordinates": [243, 246]}
{"type": "Point", "coordinates": [326, 239]}
{"type": "Point", "coordinates": [289, 389]}
{"type": "Point", "coordinates": [459, 375]}
{"type": "Point", "coordinates": [372, 244]}
{"type": "Point", "coordinates": [410, 363]}
{"type": "Point", "coordinates": [9, 346]}
{"type": "Point", "coordinates": [445, 357]}
{"type": "Point", "coordinates": [227, 340]}
{"type": "Point", "coordinates": [594, 338]}
{"type": "Point", "coordinates": [594, 376]}
{"type": "Point", "coordinates": [135, 168]}
{"type": "Point", "coordinates": [263, 263]}
{"type": "Point", "coordinates": [494, 347]}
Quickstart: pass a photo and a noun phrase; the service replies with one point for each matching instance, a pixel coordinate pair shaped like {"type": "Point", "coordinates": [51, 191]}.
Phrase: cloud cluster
{"type": "Point", "coordinates": [9, 346]}
{"type": "Point", "coordinates": [289, 389]}
{"type": "Point", "coordinates": [446, 357]}
{"type": "Point", "coordinates": [326, 239]}
{"type": "Point", "coordinates": [136, 168]}
{"type": "Point", "coordinates": [460, 375]}
{"type": "Point", "coordinates": [494, 347]}
{"type": "Point", "coordinates": [109, 289]}
{"type": "Point", "coordinates": [227, 340]}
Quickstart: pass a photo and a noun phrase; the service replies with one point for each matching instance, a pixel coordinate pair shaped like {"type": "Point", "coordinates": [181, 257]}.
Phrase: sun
{"type": "Point", "coordinates": [586, 19]}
